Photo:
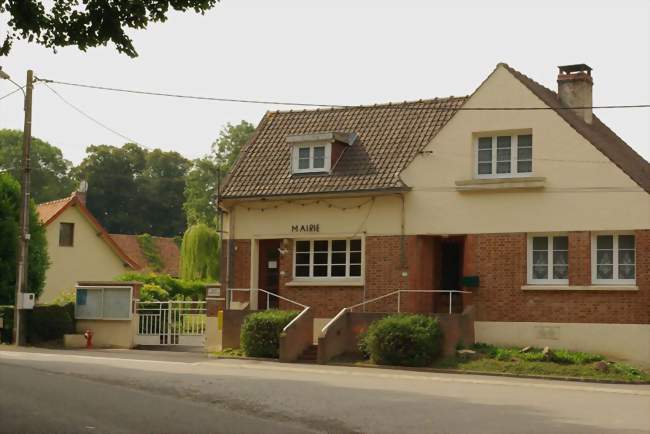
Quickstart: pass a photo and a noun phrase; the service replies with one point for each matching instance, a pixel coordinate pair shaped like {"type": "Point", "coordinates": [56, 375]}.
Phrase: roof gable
{"type": "Point", "coordinates": [389, 136]}
{"type": "Point", "coordinates": [167, 250]}
{"type": "Point", "coordinates": [49, 211]}
{"type": "Point", "coordinates": [597, 133]}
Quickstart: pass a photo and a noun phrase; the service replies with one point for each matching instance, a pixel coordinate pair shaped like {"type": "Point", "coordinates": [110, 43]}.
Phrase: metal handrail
{"type": "Point", "coordinates": [268, 295]}
{"type": "Point", "coordinates": [333, 320]}
{"type": "Point", "coordinates": [399, 297]}
{"type": "Point", "coordinates": [284, 330]}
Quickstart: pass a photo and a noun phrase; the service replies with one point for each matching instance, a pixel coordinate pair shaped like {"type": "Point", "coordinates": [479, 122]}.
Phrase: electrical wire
{"type": "Point", "coordinates": [87, 116]}
{"type": "Point", "coordinates": [12, 92]}
{"type": "Point", "coordinates": [308, 104]}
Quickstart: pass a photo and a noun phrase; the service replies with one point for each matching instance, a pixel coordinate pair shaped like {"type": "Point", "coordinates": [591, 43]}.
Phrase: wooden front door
{"type": "Point", "coordinates": [269, 273]}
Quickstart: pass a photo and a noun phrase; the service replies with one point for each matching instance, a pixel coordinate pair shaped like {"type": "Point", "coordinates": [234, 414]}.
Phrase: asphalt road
{"type": "Point", "coordinates": [51, 391]}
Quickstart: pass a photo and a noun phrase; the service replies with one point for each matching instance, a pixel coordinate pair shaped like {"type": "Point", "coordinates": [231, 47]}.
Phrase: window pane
{"type": "Point", "coordinates": [485, 155]}
{"type": "Point", "coordinates": [560, 272]}
{"type": "Point", "coordinates": [355, 245]}
{"type": "Point", "coordinates": [524, 166]}
{"type": "Point", "coordinates": [561, 257]}
{"type": "Point", "coordinates": [302, 246]}
{"type": "Point", "coordinates": [525, 140]}
{"type": "Point", "coordinates": [319, 163]}
{"type": "Point", "coordinates": [524, 154]}
{"type": "Point", "coordinates": [88, 303]}
{"type": "Point", "coordinates": [338, 270]}
{"type": "Point", "coordinates": [338, 258]}
{"type": "Point", "coordinates": [339, 245]}
{"type": "Point", "coordinates": [605, 242]}
{"type": "Point", "coordinates": [355, 270]}
{"type": "Point", "coordinates": [484, 168]}
{"type": "Point", "coordinates": [116, 303]}
{"type": "Point", "coordinates": [302, 271]}
{"type": "Point", "coordinates": [303, 153]}
{"type": "Point", "coordinates": [626, 257]}
{"type": "Point", "coordinates": [302, 258]}
{"type": "Point", "coordinates": [561, 243]}
{"type": "Point", "coordinates": [66, 234]}
{"type": "Point", "coordinates": [503, 167]}
{"type": "Point", "coordinates": [626, 271]}
{"type": "Point", "coordinates": [503, 154]}
{"type": "Point", "coordinates": [319, 152]}
{"type": "Point", "coordinates": [604, 271]}
{"type": "Point", "coordinates": [320, 270]}
{"type": "Point", "coordinates": [320, 246]}
{"type": "Point", "coordinates": [540, 258]}
{"type": "Point", "coordinates": [540, 243]}
{"type": "Point", "coordinates": [503, 142]}
{"type": "Point", "coordinates": [355, 258]}
{"type": "Point", "coordinates": [540, 272]}
{"type": "Point", "coordinates": [485, 143]}
{"type": "Point", "coordinates": [626, 241]}
{"type": "Point", "coordinates": [320, 258]}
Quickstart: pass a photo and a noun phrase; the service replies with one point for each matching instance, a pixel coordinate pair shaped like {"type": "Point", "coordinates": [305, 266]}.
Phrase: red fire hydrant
{"type": "Point", "coordinates": [88, 334]}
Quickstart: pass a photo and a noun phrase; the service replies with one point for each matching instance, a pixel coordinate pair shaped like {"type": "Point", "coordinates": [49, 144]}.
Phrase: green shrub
{"type": "Point", "coordinates": [151, 292]}
{"type": "Point", "coordinates": [177, 289]}
{"type": "Point", "coordinates": [260, 333]}
{"type": "Point", "coordinates": [409, 340]}
{"type": "Point", "coordinates": [50, 322]}
{"type": "Point", "coordinates": [6, 333]}
{"type": "Point", "coordinates": [574, 357]}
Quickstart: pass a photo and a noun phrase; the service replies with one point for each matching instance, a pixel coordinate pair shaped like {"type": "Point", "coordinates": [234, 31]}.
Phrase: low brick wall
{"type": "Point", "coordinates": [231, 332]}
{"type": "Point", "coordinates": [297, 337]}
{"type": "Point", "coordinates": [343, 334]}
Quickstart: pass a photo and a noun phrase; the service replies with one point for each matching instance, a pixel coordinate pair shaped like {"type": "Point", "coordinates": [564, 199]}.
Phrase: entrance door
{"type": "Point", "coordinates": [269, 273]}
{"type": "Point", "coordinates": [451, 272]}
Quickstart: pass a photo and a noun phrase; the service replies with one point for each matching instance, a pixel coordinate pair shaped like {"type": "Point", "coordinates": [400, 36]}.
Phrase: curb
{"type": "Point", "coordinates": [493, 374]}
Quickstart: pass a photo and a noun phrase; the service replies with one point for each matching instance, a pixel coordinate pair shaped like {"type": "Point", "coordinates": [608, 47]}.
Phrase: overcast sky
{"type": "Point", "coordinates": [285, 50]}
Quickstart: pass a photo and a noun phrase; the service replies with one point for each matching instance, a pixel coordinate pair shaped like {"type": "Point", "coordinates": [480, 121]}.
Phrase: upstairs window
{"type": "Point", "coordinates": [327, 258]}
{"type": "Point", "coordinates": [66, 234]}
{"type": "Point", "coordinates": [504, 156]}
{"type": "Point", "coordinates": [311, 158]}
{"type": "Point", "coordinates": [613, 258]}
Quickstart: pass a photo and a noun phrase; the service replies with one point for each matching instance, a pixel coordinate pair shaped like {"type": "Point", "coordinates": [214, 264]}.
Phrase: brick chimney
{"type": "Point", "coordinates": [574, 86]}
{"type": "Point", "coordinates": [81, 191]}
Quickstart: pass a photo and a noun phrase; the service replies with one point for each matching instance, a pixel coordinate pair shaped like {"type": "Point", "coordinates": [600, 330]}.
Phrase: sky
{"type": "Point", "coordinates": [333, 52]}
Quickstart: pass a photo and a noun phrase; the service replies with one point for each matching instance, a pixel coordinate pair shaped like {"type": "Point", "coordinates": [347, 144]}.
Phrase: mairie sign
{"type": "Point", "coordinates": [305, 228]}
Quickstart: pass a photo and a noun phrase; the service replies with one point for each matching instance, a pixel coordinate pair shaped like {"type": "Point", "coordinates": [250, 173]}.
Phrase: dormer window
{"type": "Point", "coordinates": [318, 152]}
{"type": "Point", "coordinates": [311, 158]}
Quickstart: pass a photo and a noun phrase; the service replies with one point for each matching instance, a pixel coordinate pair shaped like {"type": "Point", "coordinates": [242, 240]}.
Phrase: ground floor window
{"type": "Point", "coordinates": [327, 258]}
{"type": "Point", "coordinates": [613, 258]}
{"type": "Point", "coordinates": [548, 259]}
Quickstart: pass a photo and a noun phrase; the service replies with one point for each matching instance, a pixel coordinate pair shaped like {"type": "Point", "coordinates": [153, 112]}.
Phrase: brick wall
{"type": "Point", "coordinates": [501, 265]}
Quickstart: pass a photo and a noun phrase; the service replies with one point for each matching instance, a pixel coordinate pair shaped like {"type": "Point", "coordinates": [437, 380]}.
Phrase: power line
{"type": "Point", "coordinates": [308, 104]}
{"type": "Point", "coordinates": [86, 115]}
{"type": "Point", "coordinates": [12, 92]}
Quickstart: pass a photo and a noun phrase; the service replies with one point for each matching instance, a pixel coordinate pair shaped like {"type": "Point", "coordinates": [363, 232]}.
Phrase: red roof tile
{"type": "Point", "coordinates": [167, 250]}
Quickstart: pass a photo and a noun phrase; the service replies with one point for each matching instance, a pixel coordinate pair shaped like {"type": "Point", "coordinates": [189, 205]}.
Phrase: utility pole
{"type": "Point", "coordinates": [23, 247]}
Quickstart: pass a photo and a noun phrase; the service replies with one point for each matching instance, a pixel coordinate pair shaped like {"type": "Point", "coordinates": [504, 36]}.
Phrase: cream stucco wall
{"type": "Point", "coordinates": [89, 259]}
{"type": "Point", "coordinates": [623, 341]}
{"type": "Point", "coordinates": [560, 154]}
{"type": "Point", "coordinates": [110, 333]}
{"type": "Point", "coordinates": [574, 171]}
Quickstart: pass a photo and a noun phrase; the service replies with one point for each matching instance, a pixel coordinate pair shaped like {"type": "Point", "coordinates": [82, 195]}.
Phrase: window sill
{"type": "Point", "coordinates": [580, 288]}
{"type": "Point", "coordinates": [492, 184]}
{"type": "Point", "coordinates": [325, 282]}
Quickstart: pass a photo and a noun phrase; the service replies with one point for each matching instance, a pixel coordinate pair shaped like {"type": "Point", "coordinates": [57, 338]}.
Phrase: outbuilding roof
{"type": "Point", "coordinates": [166, 249]}
{"type": "Point", "coordinates": [389, 136]}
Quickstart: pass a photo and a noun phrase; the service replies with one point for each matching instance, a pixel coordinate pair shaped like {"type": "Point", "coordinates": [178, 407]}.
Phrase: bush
{"type": "Point", "coordinates": [151, 292]}
{"type": "Point", "coordinates": [6, 332]}
{"type": "Point", "coordinates": [409, 340]}
{"type": "Point", "coordinates": [49, 322]}
{"type": "Point", "coordinates": [177, 289]}
{"type": "Point", "coordinates": [260, 333]}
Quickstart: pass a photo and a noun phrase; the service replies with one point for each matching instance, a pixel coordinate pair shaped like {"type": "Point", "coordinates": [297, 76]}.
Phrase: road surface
{"type": "Point", "coordinates": [114, 391]}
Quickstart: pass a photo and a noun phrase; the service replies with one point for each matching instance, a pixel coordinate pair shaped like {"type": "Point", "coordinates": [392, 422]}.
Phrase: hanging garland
{"type": "Point", "coordinates": [308, 203]}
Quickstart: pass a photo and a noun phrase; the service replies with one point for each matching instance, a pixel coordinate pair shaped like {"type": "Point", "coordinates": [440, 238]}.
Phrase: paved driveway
{"type": "Point", "coordinates": [141, 391]}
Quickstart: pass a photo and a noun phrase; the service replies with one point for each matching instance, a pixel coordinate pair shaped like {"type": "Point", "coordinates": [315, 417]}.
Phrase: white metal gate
{"type": "Point", "coordinates": [171, 323]}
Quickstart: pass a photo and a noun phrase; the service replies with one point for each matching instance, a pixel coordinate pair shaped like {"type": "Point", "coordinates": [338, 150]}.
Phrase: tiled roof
{"type": "Point", "coordinates": [604, 139]}
{"type": "Point", "coordinates": [167, 250]}
{"type": "Point", "coordinates": [49, 211]}
{"type": "Point", "coordinates": [389, 137]}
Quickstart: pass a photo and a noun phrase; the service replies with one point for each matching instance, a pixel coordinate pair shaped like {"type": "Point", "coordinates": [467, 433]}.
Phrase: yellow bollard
{"type": "Point", "coordinates": [220, 320]}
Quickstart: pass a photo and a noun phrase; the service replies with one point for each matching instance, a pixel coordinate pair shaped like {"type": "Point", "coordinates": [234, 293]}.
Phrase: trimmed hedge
{"type": "Point", "coordinates": [50, 322]}
{"type": "Point", "coordinates": [408, 340]}
{"type": "Point", "coordinates": [260, 333]}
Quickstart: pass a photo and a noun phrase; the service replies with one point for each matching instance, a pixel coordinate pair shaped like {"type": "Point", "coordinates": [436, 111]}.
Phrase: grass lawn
{"type": "Point", "coordinates": [230, 352]}
{"type": "Point", "coordinates": [559, 363]}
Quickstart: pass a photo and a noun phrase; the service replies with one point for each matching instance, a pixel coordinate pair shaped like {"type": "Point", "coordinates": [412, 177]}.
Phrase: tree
{"type": "Point", "coordinates": [132, 190]}
{"type": "Point", "coordinates": [201, 183]}
{"type": "Point", "coordinates": [87, 23]}
{"type": "Point", "coordinates": [9, 231]}
{"type": "Point", "coordinates": [50, 172]}
{"type": "Point", "coordinates": [200, 253]}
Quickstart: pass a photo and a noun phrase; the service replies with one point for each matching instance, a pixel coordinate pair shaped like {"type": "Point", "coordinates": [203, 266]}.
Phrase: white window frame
{"type": "Point", "coordinates": [101, 309]}
{"type": "Point", "coordinates": [529, 251]}
{"type": "Point", "coordinates": [311, 169]}
{"type": "Point", "coordinates": [514, 150]}
{"type": "Point", "coordinates": [615, 280]}
{"type": "Point", "coordinates": [329, 259]}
